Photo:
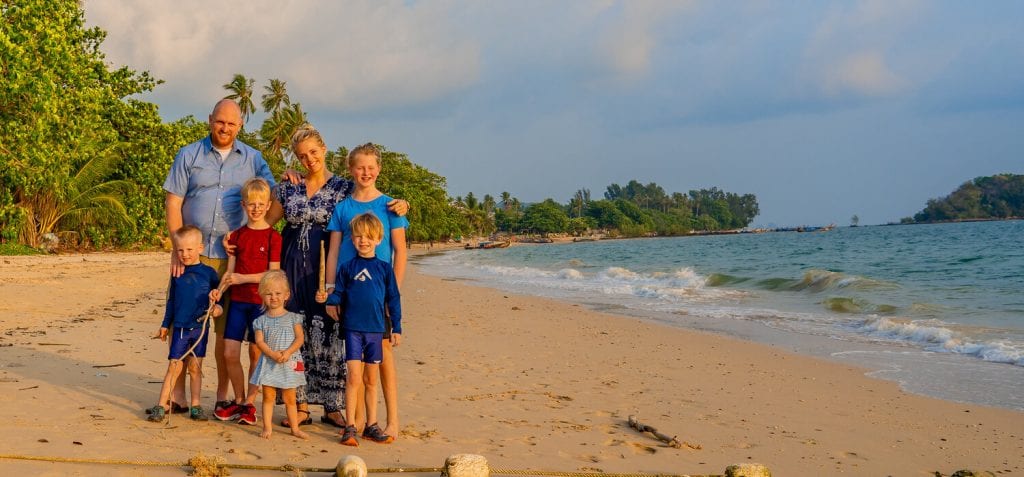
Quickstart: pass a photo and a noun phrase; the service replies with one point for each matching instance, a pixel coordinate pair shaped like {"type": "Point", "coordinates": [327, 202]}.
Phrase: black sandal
{"type": "Point", "coordinates": [304, 422]}
{"type": "Point", "coordinates": [175, 409]}
{"type": "Point", "coordinates": [329, 420]}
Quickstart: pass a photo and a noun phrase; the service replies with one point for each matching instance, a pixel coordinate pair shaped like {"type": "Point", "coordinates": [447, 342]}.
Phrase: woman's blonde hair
{"type": "Point", "coordinates": [307, 131]}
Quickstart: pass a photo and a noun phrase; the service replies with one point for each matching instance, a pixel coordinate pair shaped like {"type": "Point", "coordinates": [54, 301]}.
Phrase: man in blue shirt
{"type": "Point", "coordinates": [203, 189]}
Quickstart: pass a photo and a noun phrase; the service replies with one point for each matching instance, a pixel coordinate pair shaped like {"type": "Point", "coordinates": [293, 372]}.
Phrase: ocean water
{"type": "Point", "coordinates": [938, 308]}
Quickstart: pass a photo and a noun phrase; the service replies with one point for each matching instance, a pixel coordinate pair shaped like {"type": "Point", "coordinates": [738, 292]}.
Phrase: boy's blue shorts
{"type": "Point", "coordinates": [241, 315]}
{"type": "Point", "coordinates": [183, 338]}
{"type": "Point", "coordinates": [363, 346]}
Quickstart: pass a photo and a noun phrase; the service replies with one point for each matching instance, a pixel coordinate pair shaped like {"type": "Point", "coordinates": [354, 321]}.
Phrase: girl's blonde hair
{"type": "Point", "coordinates": [271, 277]}
{"type": "Point", "coordinates": [368, 149]}
{"type": "Point", "coordinates": [307, 131]}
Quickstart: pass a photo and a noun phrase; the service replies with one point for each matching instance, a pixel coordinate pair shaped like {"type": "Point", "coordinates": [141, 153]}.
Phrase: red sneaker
{"type": "Point", "coordinates": [229, 412]}
{"type": "Point", "coordinates": [248, 416]}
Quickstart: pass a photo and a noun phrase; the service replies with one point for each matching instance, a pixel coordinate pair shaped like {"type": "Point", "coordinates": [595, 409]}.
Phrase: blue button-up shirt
{"type": "Point", "coordinates": [211, 188]}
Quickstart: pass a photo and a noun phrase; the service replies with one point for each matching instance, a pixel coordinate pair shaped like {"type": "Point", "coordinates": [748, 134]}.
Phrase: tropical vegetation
{"type": "Point", "coordinates": [992, 197]}
{"type": "Point", "coordinates": [83, 158]}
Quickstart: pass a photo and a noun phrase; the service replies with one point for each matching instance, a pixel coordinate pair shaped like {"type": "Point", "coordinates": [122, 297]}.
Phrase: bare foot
{"type": "Point", "coordinates": [267, 431]}
{"type": "Point", "coordinates": [391, 431]}
{"type": "Point", "coordinates": [298, 433]}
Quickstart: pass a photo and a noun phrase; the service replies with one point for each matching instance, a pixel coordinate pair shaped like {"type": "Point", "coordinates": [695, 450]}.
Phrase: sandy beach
{"type": "Point", "coordinates": [528, 383]}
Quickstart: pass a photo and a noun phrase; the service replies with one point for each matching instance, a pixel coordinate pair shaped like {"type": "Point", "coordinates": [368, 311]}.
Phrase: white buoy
{"type": "Point", "coordinates": [466, 465]}
{"type": "Point", "coordinates": [350, 466]}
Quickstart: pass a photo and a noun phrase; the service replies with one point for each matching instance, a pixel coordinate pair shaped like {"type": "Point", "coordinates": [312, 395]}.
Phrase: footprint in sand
{"type": "Point", "coordinates": [636, 447]}
{"type": "Point", "coordinates": [244, 455]}
{"type": "Point", "coordinates": [422, 435]}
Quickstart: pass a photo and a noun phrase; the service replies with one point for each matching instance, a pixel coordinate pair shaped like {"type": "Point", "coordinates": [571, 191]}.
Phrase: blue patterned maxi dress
{"type": "Point", "coordinates": [323, 348]}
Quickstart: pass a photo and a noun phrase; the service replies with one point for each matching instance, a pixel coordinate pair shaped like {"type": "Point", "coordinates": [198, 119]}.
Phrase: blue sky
{"type": "Point", "coordinates": [822, 109]}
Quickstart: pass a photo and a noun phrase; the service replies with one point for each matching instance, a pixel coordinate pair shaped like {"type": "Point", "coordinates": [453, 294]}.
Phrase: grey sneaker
{"type": "Point", "coordinates": [197, 413]}
{"type": "Point", "coordinates": [156, 413]}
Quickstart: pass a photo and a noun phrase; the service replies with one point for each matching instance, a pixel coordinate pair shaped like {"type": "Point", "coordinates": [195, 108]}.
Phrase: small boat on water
{"type": "Point", "coordinates": [489, 244]}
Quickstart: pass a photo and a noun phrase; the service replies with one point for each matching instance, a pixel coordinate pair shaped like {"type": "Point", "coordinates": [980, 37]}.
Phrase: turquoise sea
{"type": "Point", "coordinates": [938, 308]}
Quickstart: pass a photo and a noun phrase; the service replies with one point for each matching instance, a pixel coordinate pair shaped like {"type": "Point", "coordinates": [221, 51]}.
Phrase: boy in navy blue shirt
{"type": "Point", "coordinates": [187, 303]}
{"type": "Point", "coordinates": [366, 290]}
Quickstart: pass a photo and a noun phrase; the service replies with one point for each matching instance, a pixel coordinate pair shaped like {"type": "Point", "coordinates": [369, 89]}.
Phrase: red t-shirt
{"type": "Point", "coordinates": [255, 250]}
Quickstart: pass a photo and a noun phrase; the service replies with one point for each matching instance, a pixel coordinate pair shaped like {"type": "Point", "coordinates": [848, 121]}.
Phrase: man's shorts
{"type": "Point", "coordinates": [221, 266]}
{"type": "Point", "coordinates": [365, 347]}
{"type": "Point", "coordinates": [183, 338]}
{"type": "Point", "coordinates": [239, 322]}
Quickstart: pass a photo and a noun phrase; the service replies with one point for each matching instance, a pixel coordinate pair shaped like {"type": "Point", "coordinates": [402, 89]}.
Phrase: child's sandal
{"type": "Point", "coordinates": [348, 437]}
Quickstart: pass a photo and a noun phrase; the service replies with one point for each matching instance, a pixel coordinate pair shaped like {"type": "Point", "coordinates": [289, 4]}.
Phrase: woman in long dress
{"type": "Point", "coordinates": [306, 207]}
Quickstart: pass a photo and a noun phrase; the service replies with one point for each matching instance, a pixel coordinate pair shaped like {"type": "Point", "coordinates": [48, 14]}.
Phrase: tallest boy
{"type": "Point", "coordinates": [203, 189]}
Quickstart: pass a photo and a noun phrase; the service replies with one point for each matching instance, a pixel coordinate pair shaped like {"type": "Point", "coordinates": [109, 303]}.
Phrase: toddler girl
{"type": "Point", "coordinates": [279, 337]}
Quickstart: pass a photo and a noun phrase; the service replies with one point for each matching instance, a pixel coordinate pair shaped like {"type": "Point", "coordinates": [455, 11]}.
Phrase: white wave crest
{"type": "Point", "coordinates": [942, 339]}
{"type": "Point", "coordinates": [570, 274]}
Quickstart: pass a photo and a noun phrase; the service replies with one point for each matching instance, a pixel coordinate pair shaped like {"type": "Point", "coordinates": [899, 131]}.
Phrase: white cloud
{"type": "Point", "coordinates": [628, 45]}
{"type": "Point", "coordinates": [863, 73]}
{"type": "Point", "coordinates": [850, 51]}
{"type": "Point", "coordinates": [348, 56]}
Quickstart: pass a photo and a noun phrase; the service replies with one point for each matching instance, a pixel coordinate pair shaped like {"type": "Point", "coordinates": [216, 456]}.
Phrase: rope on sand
{"type": "Point", "coordinates": [201, 460]}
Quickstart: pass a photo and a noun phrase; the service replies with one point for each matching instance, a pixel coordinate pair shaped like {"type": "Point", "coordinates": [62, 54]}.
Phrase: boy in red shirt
{"type": "Point", "coordinates": [257, 249]}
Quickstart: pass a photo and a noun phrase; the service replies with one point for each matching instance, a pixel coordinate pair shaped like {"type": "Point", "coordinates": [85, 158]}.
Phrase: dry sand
{"type": "Point", "coordinates": [527, 383]}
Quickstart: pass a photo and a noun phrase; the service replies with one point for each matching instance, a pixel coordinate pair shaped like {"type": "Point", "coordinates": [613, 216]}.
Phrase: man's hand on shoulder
{"type": "Point", "coordinates": [292, 176]}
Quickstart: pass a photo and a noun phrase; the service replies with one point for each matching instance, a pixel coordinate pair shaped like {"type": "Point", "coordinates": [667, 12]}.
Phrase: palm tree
{"type": "Point", "coordinates": [87, 200]}
{"type": "Point", "coordinates": [505, 198]}
{"type": "Point", "coordinates": [276, 97]}
{"type": "Point", "coordinates": [488, 204]}
{"type": "Point", "coordinates": [241, 91]}
{"type": "Point", "coordinates": [277, 130]}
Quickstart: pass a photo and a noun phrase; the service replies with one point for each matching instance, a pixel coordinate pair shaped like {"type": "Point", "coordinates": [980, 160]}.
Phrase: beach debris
{"type": "Point", "coordinates": [30, 387]}
{"type": "Point", "coordinates": [972, 473]}
{"type": "Point", "coordinates": [49, 242]}
{"type": "Point", "coordinates": [351, 466]}
{"type": "Point", "coordinates": [747, 470]}
{"type": "Point", "coordinates": [670, 441]}
{"type": "Point", "coordinates": [208, 466]}
{"type": "Point", "coordinates": [107, 365]}
{"type": "Point", "coordinates": [466, 465]}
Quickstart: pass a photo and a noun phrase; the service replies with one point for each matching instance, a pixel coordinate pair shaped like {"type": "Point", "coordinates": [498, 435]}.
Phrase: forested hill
{"type": "Point", "coordinates": [994, 197]}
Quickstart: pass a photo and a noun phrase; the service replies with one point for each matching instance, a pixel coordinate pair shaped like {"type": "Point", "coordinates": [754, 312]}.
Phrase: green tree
{"type": "Point", "coordinates": [276, 97]}
{"type": "Point", "coordinates": [276, 133]}
{"type": "Point", "coordinates": [70, 134]}
{"type": "Point", "coordinates": [241, 89]}
{"type": "Point", "coordinates": [546, 217]}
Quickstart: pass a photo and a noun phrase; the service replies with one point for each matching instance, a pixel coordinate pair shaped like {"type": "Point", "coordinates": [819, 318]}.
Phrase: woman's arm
{"type": "Point", "coordinates": [275, 212]}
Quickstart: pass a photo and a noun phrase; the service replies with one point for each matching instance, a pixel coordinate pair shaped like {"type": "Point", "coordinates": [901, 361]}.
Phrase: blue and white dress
{"type": "Point", "coordinates": [307, 217]}
{"type": "Point", "coordinates": [279, 334]}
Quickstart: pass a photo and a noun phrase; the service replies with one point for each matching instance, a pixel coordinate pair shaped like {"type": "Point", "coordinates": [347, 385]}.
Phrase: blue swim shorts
{"type": "Point", "coordinates": [183, 338]}
{"type": "Point", "coordinates": [241, 315]}
{"type": "Point", "coordinates": [363, 346]}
